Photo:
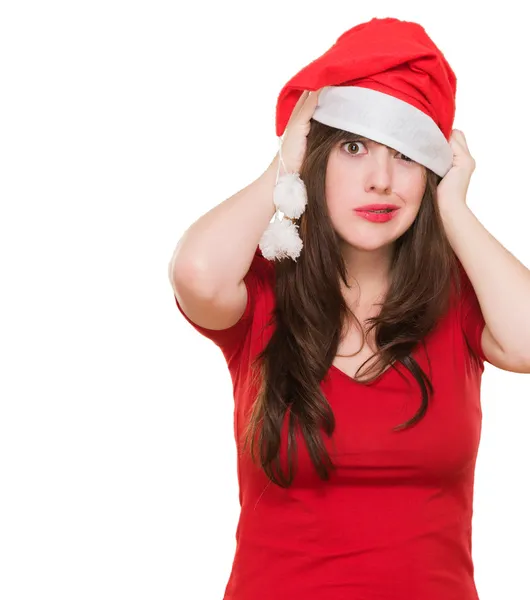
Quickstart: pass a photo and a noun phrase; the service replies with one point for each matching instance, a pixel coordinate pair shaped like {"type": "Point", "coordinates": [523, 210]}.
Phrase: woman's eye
{"type": "Point", "coordinates": [347, 144]}
{"type": "Point", "coordinates": [352, 144]}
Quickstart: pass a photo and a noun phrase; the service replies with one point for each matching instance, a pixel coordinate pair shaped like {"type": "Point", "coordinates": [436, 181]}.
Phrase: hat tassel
{"type": "Point", "coordinates": [281, 238]}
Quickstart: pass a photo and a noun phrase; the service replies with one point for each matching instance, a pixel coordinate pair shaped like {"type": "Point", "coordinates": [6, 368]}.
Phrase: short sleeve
{"type": "Point", "coordinates": [471, 317]}
{"type": "Point", "coordinates": [231, 339]}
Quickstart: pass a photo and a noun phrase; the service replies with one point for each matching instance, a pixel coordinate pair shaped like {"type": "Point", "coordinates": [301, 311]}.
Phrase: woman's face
{"type": "Point", "coordinates": [361, 172]}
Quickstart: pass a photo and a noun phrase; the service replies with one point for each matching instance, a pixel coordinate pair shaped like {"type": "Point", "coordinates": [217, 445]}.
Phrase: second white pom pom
{"type": "Point", "coordinates": [281, 240]}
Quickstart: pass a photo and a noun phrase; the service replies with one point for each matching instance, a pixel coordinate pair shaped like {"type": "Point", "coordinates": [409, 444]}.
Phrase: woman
{"type": "Point", "coordinates": [356, 354]}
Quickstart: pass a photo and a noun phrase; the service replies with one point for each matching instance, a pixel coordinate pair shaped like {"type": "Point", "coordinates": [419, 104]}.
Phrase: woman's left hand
{"type": "Point", "coordinates": [452, 189]}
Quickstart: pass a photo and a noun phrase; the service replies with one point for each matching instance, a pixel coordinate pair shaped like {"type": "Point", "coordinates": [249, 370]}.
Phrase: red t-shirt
{"type": "Point", "coordinates": [394, 520]}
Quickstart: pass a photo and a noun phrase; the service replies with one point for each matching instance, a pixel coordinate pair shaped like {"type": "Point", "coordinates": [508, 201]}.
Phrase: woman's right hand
{"type": "Point", "coordinates": [294, 140]}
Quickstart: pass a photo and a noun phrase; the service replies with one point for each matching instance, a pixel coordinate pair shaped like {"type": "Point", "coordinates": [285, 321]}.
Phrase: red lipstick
{"type": "Point", "coordinates": [389, 211]}
{"type": "Point", "coordinates": [376, 207]}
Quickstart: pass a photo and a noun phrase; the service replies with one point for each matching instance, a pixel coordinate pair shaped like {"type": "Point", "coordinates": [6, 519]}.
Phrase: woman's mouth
{"type": "Point", "coordinates": [377, 216]}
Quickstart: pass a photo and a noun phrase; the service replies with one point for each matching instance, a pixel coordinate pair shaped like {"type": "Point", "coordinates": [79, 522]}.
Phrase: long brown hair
{"type": "Point", "coordinates": [310, 311]}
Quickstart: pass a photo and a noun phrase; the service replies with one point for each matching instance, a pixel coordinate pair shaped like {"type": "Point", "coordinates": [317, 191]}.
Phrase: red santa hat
{"type": "Point", "coordinates": [384, 79]}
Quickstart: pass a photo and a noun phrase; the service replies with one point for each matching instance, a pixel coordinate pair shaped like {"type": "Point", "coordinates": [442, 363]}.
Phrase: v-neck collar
{"type": "Point", "coordinates": [333, 368]}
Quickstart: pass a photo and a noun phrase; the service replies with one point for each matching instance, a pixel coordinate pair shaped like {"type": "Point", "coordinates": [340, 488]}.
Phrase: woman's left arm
{"type": "Point", "coordinates": [500, 281]}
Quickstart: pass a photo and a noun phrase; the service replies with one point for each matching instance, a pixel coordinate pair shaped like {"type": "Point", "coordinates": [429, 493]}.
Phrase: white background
{"type": "Point", "coordinates": [121, 123]}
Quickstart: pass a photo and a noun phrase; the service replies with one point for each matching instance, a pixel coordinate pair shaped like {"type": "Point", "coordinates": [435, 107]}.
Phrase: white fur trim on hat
{"type": "Point", "coordinates": [387, 120]}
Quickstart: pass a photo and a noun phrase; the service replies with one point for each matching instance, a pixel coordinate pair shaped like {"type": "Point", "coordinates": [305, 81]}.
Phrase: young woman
{"type": "Point", "coordinates": [357, 360]}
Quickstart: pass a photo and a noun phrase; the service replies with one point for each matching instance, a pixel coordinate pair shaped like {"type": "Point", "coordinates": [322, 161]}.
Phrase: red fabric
{"type": "Point", "coordinates": [473, 321]}
{"type": "Point", "coordinates": [388, 55]}
{"type": "Point", "coordinates": [394, 520]}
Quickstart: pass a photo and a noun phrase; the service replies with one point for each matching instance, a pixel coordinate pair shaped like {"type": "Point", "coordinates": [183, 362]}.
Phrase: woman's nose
{"type": "Point", "coordinates": [379, 175]}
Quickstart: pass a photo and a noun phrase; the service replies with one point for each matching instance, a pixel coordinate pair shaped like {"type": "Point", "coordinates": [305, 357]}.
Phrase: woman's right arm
{"type": "Point", "coordinates": [215, 253]}
{"type": "Point", "coordinates": [210, 261]}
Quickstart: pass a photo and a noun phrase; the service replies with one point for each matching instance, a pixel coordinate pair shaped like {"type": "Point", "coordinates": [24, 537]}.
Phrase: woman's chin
{"type": "Point", "coordinates": [366, 244]}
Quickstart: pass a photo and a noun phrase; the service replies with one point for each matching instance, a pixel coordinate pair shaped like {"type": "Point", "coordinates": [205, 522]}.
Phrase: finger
{"type": "Point", "coordinates": [308, 108]}
{"type": "Point", "coordinates": [460, 137]}
{"type": "Point", "coordinates": [464, 141]}
{"type": "Point", "coordinates": [460, 143]}
{"type": "Point", "coordinates": [300, 102]}
{"type": "Point", "coordinates": [297, 108]}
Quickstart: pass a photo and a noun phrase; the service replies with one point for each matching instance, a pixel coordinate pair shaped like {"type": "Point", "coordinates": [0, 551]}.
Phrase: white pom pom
{"type": "Point", "coordinates": [290, 195]}
{"type": "Point", "coordinates": [281, 240]}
